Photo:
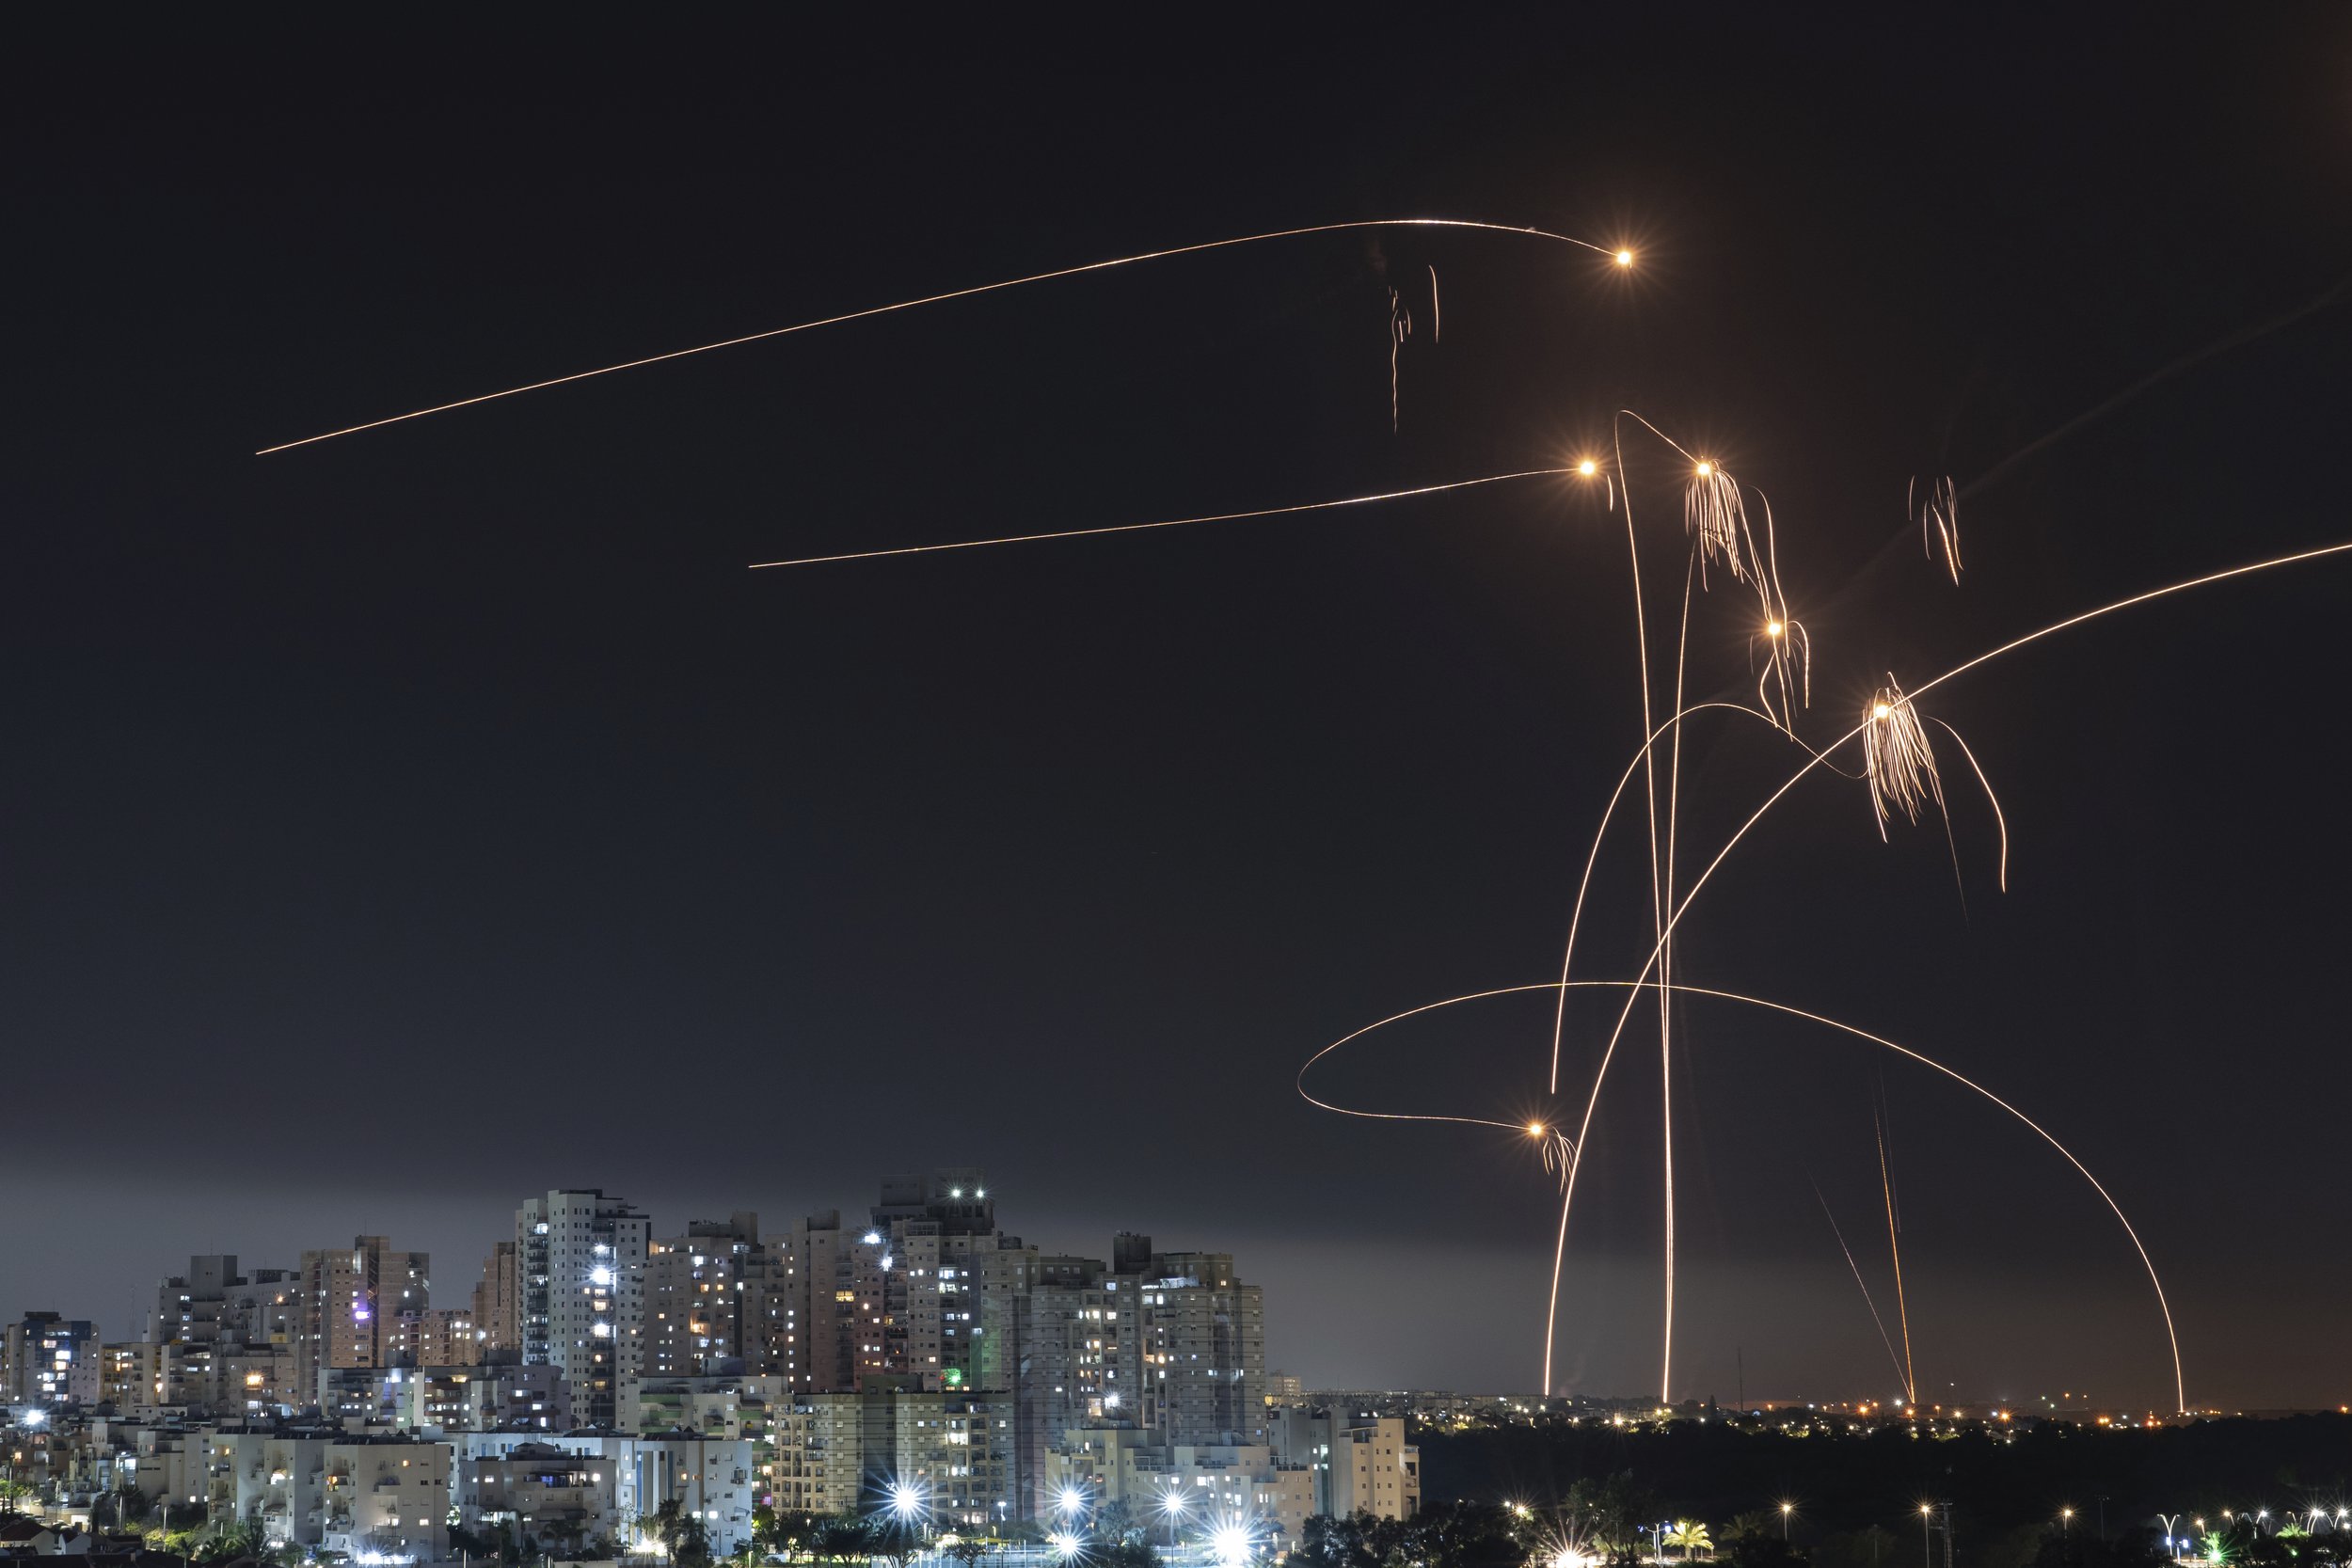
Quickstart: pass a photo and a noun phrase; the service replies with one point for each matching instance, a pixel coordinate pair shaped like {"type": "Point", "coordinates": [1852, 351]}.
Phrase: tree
{"type": "Point", "coordinates": [840, 1540]}
{"type": "Point", "coordinates": [968, 1550]}
{"type": "Point", "coordinates": [1609, 1512]}
{"type": "Point", "coordinates": [1691, 1537]}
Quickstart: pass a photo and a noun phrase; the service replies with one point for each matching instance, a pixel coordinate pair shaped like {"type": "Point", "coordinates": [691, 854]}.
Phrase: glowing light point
{"type": "Point", "coordinates": [1880, 710]}
{"type": "Point", "coordinates": [1624, 258]}
{"type": "Point", "coordinates": [1588, 467]}
{"type": "Point", "coordinates": [1534, 1128]}
{"type": "Point", "coordinates": [1706, 468]}
{"type": "Point", "coordinates": [1774, 628]}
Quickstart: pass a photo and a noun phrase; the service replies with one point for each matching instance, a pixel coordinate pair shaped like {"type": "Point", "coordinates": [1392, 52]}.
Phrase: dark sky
{"type": "Point", "coordinates": [397, 826]}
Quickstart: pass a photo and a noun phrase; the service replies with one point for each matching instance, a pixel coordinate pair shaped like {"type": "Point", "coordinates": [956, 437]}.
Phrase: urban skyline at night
{"type": "Point", "coordinates": [1479, 755]}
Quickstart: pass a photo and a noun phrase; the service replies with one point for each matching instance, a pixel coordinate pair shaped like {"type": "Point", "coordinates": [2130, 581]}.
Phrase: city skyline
{"type": "Point", "coordinates": [403, 820]}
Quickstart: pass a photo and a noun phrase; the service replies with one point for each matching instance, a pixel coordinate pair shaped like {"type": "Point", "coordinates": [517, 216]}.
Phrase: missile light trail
{"type": "Point", "coordinates": [1621, 258]}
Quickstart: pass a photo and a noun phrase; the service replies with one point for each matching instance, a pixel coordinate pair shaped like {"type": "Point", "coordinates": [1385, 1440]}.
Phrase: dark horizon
{"type": "Point", "coordinates": [402, 825]}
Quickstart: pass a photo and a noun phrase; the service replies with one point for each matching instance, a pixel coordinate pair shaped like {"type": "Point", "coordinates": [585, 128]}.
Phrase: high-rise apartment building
{"type": "Point", "coordinates": [910, 1301]}
{"type": "Point", "coordinates": [580, 1259]}
{"type": "Point", "coordinates": [498, 1306]}
{"type": "Point", "coordinates": [39, 1355]}
{"type": "Point", "coordinates": [351, 1302]}
{"type": "Point", "coordinates": [1204, 1350]}
{"type": "Point", "coordinates": [697, 1287]}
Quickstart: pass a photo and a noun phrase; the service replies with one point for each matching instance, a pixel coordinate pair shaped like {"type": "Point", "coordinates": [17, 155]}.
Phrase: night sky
{"type": "Point", "coordinates": [394, 827]}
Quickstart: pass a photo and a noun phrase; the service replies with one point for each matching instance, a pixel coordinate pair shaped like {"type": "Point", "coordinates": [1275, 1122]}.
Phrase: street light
{"type": "Point", "coordinates": [1927, 1534]}
{"type": "Point", "coordinates": [1785, 1509]}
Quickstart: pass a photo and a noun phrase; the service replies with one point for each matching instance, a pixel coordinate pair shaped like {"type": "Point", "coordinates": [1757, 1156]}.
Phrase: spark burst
{"type": "Point", "coordinates": [1897, 758]}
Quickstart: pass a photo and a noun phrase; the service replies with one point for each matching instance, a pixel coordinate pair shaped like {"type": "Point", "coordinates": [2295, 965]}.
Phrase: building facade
{"type": "Point", "coordinates": [580, 1261]}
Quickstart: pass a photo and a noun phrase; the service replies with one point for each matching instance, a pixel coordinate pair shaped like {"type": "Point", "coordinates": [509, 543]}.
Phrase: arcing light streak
{"type": "Point", "coordinates": [2000, 818]}
{"type": "Point", "coordinates": [1168, 522]}
{"type": "Point", "coordinates": [1659, 894]}
{"type": "Point", "coordinates": [1533, 1130]}
{"type": "Point", "coordinates": [1873, 1306]}
{"type": "Point", "coordinates": [1576, 915]}
{"type": "Point", "coordinates": [940, 299]}
{"type": "Point", "coordinates": [1636, 987]}
{"type": "Point", "coordinates": [1817, 759]}
{"type": "Point", "coordinates": [1895, 1250]}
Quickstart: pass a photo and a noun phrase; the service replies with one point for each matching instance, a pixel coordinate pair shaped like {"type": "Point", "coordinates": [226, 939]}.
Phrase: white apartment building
{"type": "Point", "coordinates": [1182, 1487]}
{"type": "Point", "coordinates": [1360, 1464]}
{"type": "Point", "coordinates": [580, 1263]}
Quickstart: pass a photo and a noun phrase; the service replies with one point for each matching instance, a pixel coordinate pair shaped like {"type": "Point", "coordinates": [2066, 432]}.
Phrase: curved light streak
{"type": "Point", "coordinates": [1569, 1187]}
{"type": "Point", "coordinates": [1637, 986]}
{"type": "Point", "coordinates": [1170, 522]}
{"type": "Point", "coordinates": [936, 299]}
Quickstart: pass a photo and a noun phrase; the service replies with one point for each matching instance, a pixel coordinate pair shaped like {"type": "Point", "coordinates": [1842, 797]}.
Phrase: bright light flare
{"type": "Point", "coordinates": [906, 1499]}
{"type": "Point", "coordinates": [1066, 1545]}
{"type": "Point", "coordinates": [1588, 467]}
{"type": "Point", "coordinates": [1624, 258]}
{"type": "Point", "coordinates": [1071, 1500]}
{"type": "Point", "coordinates": [1232, 1542]}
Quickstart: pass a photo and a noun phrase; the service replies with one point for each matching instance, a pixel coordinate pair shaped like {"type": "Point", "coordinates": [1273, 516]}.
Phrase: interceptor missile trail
{"type": "Point", "coordinates": [1618, 256]}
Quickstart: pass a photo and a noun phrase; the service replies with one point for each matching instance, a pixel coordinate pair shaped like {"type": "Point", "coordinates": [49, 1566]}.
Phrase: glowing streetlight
{"type": "Point", "coordinates": [1070, 1500]}
{"type": "Point", "coordinates": [1066, 1545]}
{"type": "Point", "coordinates": [906, 1501]}
{"type": "Point", "coordinates": [1705, 467]}
{"type": "Point", "coordinates": [1588, 467]}
{"type": "Point", "coordinates": [1232, 1543]}
{"type": "Point", "coordinates": [1786, 1511]}
{"type": "Point", "coordinates": [1624, 258]}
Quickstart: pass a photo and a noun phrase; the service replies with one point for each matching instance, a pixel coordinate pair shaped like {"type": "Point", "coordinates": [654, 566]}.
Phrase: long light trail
{"type": "Point", "coordinates": [1170, 522]}
{"type": "Point", "coordinates": [1864, 1286]}
{"type": "Point", "coordinates": [1621, 258]}
{"type": "Point", "coordinates": [1682, 988]}
{"type": "Point", "coordinates": [1816, 760]}
{"type": "Point", "coordinates": [1895, 1250]}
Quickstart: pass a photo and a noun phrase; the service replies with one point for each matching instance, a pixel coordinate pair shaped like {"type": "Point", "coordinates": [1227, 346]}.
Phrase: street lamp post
{"type": "Point", "coordinates": [1785, 1509]}
{"type": "Point", "coordinates": [1927, 1535]}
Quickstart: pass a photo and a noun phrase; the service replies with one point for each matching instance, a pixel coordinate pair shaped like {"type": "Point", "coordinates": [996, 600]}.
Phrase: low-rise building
{"type": "Point", "coordinates": [1360, 1464]}
{"type": "Point", "coordinates": [548, 1495]}
{"type": "Point", "coordinates": [1182, 1486]}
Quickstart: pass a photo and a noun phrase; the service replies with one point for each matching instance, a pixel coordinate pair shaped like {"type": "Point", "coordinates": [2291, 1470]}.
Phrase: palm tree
{"type": "Point", "coordinates": [1691, 1537]}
